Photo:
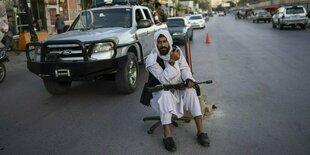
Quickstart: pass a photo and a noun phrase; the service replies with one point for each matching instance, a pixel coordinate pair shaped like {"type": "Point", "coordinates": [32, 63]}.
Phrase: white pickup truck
{"type": "Point", "coordinates": [108, 41]}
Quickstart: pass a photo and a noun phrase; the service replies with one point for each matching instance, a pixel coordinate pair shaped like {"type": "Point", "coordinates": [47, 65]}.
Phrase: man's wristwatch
{"type": "Point", "coordinates": [171, 62]}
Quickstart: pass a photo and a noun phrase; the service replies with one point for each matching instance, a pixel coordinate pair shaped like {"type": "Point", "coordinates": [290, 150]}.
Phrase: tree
{"type": "Point", "coordinates": [179, 6]}
{"type": "Point", "coordinates": [232, 4]}
{"type": "Point", "coordinates": [205, 5]}
{"type": "Point", "coordinates": [244, 2]}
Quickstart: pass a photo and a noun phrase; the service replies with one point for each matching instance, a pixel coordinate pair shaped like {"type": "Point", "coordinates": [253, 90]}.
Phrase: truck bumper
{"type": "Point", "coordinates": [72, 70]}
{"type": "Point", "coordinates": [295, 22]}
{"type": "Point", "coordinates": [76, 71]}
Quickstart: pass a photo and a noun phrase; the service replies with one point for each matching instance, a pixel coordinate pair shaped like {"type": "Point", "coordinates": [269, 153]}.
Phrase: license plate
{"type": "Point", "coordinates": [62, 73]}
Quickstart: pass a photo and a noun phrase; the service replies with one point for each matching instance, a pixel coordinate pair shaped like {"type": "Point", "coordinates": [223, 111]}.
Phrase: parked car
{"type": "Point", "coordinates": [180, 29]}
{"type": "Point", "coordinates": [290, 16]}
{"type": "Point", "coordinates": [197, 21]}
{"type": "Point", "coordinates": [308, 15]}
{"type": "Point", "coordinates": [261, 15]}
{"type": "Point", "coordinates": [222, 13]}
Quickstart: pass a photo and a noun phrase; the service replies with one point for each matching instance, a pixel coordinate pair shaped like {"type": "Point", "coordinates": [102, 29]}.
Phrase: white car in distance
{"type": "Point", "coordinates": [197, 21]}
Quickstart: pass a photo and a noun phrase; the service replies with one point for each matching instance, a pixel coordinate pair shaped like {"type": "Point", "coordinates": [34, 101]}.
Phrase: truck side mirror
{"type": "Point", "coordinates": [87, 19]}
{"type": "Point", "coordinates": [143, 23]}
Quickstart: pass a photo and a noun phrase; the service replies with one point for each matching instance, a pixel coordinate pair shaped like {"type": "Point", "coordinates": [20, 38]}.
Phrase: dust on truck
{"type": "Point", "coordinates": [108, 41]}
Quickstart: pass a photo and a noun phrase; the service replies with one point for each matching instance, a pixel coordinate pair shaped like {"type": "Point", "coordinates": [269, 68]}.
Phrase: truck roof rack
{"type": "Point", "coordinates": [99, 3]}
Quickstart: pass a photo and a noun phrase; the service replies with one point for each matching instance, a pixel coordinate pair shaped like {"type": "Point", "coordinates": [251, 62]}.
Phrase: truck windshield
{"type": "Point", "coordinates": [105, 18]}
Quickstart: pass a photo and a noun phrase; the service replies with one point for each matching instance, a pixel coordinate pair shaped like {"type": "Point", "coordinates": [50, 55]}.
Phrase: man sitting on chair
{"type": "Point", "coordinates": [173, 70]}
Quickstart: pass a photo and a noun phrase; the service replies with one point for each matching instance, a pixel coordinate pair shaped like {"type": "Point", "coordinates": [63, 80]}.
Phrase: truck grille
{"type": "Point", "coordinates": [66, 52]}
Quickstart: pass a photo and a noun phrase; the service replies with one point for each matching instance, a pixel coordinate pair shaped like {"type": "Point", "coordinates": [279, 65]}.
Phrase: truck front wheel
{"type": "Point", "coordinates": [273, 24]}
{"type": "Point", "coordinates": [57, 87]}
{"type": "Point", "coordinates": [280, 25]}
{"type": "Point", "coordinates": [126, 78]}
{"type": "Point", "coordinates": [2, 72]}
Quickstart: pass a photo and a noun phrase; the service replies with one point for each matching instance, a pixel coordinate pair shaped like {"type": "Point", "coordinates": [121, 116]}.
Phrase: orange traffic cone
{"type": "Point", "coordinates": [208, 40]}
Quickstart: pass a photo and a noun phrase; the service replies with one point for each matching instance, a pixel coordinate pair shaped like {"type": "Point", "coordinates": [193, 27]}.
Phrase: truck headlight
{"type": "Point", "coordinates": [103, 50]}
{"type": "Point", "coordinates": [178, 34]}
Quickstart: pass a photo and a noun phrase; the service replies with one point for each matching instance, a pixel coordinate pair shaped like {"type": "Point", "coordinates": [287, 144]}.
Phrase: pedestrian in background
{"type": "Point", "coordinates": [8, 38]}
{"type": "Point", "coordinates": [161, 13]}
{"type": "Point", "coordinates": [59, 24]}
{"type": "Point", "coordinates": [12, 27]}
{"type": "Point", "coordinates": [35, 26]}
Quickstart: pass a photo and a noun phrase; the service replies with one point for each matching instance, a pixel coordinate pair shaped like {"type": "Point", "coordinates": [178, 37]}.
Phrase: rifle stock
{"type": "Point", "coordinates": [155, 88]}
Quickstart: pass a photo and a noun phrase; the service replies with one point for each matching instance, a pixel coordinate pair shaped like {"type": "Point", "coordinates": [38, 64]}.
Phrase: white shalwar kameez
{"type": "Point", "coordinates": [174, 102]}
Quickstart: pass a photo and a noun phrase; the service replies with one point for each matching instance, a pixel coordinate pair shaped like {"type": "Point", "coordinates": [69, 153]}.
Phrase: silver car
{"type": "Point", "coordinates": [290, 16]}
{"type": "Point", "coordinates": [261, 15]}
{"type": "Point", "coordinates": [180, 29]}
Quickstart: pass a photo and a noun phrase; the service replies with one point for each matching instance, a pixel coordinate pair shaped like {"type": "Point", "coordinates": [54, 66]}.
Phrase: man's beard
{"type": "Point", "coordinates": [164, 50]}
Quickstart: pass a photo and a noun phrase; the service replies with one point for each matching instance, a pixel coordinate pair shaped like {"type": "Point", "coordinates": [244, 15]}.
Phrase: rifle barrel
{"type": "Point", "coordinates": [173, 86]}
{"type": "Point", "coordinates": [205, 82]}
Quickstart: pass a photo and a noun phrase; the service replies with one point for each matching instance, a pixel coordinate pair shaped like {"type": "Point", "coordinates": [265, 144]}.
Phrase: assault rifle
{"type": "Point", "coordinates": [180, 86]}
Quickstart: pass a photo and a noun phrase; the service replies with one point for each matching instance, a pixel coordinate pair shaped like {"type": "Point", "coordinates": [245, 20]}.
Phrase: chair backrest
{"type": "Point", "coordinates": [146, 96]}
{"type": "Point", "coordinates": [152, 79]}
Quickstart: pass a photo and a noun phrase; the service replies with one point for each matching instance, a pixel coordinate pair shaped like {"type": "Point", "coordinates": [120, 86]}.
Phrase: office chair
{"type": "Point", "coordinates": [205, 107]}
{"type": "Point", "coordinates": [145, 98]}
{"type": "Point", "coordinates": [158, 123]}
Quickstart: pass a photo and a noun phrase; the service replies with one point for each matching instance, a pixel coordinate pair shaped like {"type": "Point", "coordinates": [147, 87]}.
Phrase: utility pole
{"type": "Point", "coordinates": [57, 10]}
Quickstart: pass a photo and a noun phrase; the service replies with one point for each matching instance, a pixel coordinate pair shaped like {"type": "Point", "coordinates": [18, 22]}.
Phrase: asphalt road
{"type": "Point", "coordinates": [261, 88]}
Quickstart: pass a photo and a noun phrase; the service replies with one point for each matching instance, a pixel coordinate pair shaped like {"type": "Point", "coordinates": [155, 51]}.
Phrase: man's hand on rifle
{"type": "Point", "coordinates": [189, 83]}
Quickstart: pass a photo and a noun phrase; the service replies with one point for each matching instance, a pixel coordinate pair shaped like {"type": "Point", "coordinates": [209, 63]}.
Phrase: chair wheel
{"type": "Point", "coordinates": [150, 132]}
{"type": "Point", "coordinates": [175, 124]}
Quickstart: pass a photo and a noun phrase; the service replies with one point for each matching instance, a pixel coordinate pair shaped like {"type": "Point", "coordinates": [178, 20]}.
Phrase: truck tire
{"type": "Point", "coordinates": [2, 72]}
{"type": "Point", "coordinates": [126, 78]}
{"type": "Point", "coordinates": [280, 25]}
{"type": "Point", "coordinates": [191, 38]}
{"type": "Point", "coordinates": [57, 87]}
{"type": "Point", "coordinates": [186, 38]}
{"type": "Point", "coordinates": [273, 24]}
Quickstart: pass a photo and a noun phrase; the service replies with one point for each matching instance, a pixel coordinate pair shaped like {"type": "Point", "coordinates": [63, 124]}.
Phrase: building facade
{"type": "Point", "coordinates": [263, 3]}
{"type": "Point", "coordinates": [215, 3]}
{"type": "Point", "coordinates": [43, 12]}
